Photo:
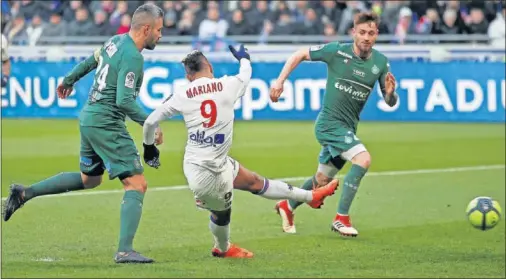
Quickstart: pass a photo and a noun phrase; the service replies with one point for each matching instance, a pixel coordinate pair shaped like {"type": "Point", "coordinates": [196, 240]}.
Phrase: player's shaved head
{"type": "Point", "coordinates": [146, 26]}
{"type": "Point", "coordinates": [144, 15]}
{"type": "Point", "coordinates": [196, 62]}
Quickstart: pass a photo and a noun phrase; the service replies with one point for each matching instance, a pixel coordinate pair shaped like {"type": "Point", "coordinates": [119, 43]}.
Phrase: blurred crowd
{"type": "Point", "coordinates": [31, 22]}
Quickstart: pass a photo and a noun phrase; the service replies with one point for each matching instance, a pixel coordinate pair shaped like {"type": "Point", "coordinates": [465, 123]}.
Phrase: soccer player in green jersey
{"type": "Point", "coordinates": [105, 141]}
{"type": "Point", "coordinates": [353, 69]}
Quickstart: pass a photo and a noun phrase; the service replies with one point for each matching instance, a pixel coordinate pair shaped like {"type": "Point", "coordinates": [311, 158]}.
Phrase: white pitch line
{"type": "Point", "coordinates": [291, 179]}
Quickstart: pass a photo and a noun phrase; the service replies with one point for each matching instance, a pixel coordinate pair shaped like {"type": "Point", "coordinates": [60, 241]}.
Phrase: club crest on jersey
{"type": "Point", "coordinates": [315, 48]}
{"type": "Point", "coordinates": [375, 70]}
{"type": "Point", "coordinates": [199, 137]}
{"type": "Point", "coordinates": [129, 80]}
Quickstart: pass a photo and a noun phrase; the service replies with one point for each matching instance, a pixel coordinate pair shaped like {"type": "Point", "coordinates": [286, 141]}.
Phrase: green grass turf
{"type": "Point", "coordinates": [411, 225]}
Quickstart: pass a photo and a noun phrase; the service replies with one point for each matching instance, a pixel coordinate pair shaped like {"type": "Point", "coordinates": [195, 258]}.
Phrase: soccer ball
{"type": "Point", "coordinates": [483, 213]}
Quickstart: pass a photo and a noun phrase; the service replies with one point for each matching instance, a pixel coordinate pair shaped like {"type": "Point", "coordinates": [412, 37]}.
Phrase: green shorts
{"type": "Point", "coordinates": [337, 141]}
{"type": "Point", "coordinates": [110, 149]}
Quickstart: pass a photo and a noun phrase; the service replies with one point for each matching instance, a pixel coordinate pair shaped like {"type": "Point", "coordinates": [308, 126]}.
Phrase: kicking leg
{"type": "Point", "coordinates": [247, 180]}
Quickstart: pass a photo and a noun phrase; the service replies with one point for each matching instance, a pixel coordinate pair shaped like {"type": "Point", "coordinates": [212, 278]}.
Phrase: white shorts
{"type": "Point", "coordinates": [212, 190]}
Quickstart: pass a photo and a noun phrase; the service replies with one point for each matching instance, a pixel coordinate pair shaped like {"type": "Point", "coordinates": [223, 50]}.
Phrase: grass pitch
{"type": "Point", "coordinates": [412, 223]}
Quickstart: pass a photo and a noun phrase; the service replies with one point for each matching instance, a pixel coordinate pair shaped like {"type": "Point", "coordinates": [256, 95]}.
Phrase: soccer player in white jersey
{"type": "Point", "coordinates": [207, 106]}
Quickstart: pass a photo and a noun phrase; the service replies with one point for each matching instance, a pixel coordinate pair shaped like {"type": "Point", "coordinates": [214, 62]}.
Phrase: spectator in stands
{"type": "Point", "coordinates": [107, 6]}
{"type": "Point", "coordinates": [213, 26]}
{"type": "Point", "coordinates": [330, 13]}
{"type": "Point", "coordinates": [352, 8]}
{"type": "Point", "coordinates": [124, 25]}
{"type": "Point", "coordinates": [449, 25]}
{"type": "Point", "coordinates": [262, 12]}
{"type": "Point", "coordinates": [30, 8]}
{"type": "Point", "coordinates": [329, 31]}
{"type": "Point", "coordinates": [34, 30]}
{"type": "Point", "coordinates": [281, 8]}
{"type": "Point", "coordinates": [169, 24]}
{"type": "Point", "coordinates": [238, 26]}
{"type": "Point", "coordinates": [405, 25]}
{"type": "Point", "coordinates": [284, 25]}
{"type": "Point", "coordinates": [186, 26]}
{"type": "Point", "coordinates": [170, 12]}
{"type": "Point", "coordinates": [6, 14]}
{"type": "Point", "coordinates": [116, 16]}
{"type": "Point", "coordinates": [15, 30]}
{"type": "Point", "coordinates": [101, 25]}
{"type": "Point", "coordinates": [390, 14]}
{"type": "Point", "coordinates": [299, 13]}
{"type": "Point", "coordinates": [497, 29]}
{"type": "Point", "coordinates": [477, 22]}
{"type": "Point", "coordinates": [56, 26]}
{"type": "Point", "coordinates": [82, 25]}
{"type": "Point", "coordinates": [249, 15]}
{"type": "Point", "coordinates": [429, 23]}
{"type": "Point", "coordinates": [311, 25]}
{"type": "Point", "coordinates": [69, 12]}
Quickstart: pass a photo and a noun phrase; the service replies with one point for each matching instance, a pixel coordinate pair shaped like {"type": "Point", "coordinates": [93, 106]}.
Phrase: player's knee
{"type": "Point", "coordinates": [91, 182]}
{"type": "Point", "coordinates": [322, 179]}
{"type": "Point", "coordinates": [135, 183]}
{"type": "Point", "coordinates": [221, 218]}
{"type": "Point", "coordinates": [363, 159]}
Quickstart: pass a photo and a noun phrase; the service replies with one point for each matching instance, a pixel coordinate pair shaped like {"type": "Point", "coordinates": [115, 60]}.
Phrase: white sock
{"type": "Point", "coordinates": [221, 236]}
{"type": "Point", "coordinates": [278, 190]}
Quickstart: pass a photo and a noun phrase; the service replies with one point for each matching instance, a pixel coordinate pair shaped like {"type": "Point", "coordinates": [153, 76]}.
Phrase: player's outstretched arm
{"type": "Point", "coordinates": [242, 79]}
{"type": "Point", "coordinates": [290, 65]}
{"type": "Point", "coordinates": [128, 77]}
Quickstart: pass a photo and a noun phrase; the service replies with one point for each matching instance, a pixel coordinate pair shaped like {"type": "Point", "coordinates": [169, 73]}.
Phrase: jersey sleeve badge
{"type": "Point", "coordinates": [129, 80]}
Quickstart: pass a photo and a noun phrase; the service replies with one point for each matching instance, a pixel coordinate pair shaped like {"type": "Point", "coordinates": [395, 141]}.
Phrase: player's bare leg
{"type": "Point", "coordinates": [247, 180]}
{"type": "Point", "coordinates": [60, 183]}
{"type": "Point", "coordinates": [131, 210]}
{"type": "Point", "coordinates": [342, 222]}
{"type": "Point", "coordinates": [219, 226]}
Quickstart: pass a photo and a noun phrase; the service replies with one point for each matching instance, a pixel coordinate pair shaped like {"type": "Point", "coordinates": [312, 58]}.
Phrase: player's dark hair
{"type": "Point", "coordinates": [366, 17]}
{"type": "Point", "coordinates": [193, 62]}
{"type": "Point", "coordinates": [145, 14]}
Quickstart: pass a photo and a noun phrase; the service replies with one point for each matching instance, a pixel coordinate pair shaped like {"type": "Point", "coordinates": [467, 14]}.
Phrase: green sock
{"type": "Point", "coordinates": [60, 183]}
{"type": "Point", "coordinates": [131, 211]}
{"type": "Point", "coordinates": [308, 185]}
{"type": "Point", "coordinates": [351, 183]}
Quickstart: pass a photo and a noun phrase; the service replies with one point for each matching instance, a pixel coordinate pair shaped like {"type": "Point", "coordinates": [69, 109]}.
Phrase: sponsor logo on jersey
{"type": "Point", "coordinates": [204, 89]}
{"type": "Point", "coordinates": [375, 70]}
{"type": "Point", "coordinates": [201, 138]}
{"type": "Point", "coordinates": [358, 73]}
{"type": "Point", "coordinates": [344, 54]}
{"type": "Point", "coordinates": [316, 48]}
{"type": "Point", "coordinates": [355, 94]}
{"type": "Point", "coordinates": [129, 80]}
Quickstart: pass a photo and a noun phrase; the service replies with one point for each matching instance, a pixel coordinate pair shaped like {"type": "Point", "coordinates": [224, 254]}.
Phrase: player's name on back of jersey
{"type": "Point", "coordinates": [213, 87]}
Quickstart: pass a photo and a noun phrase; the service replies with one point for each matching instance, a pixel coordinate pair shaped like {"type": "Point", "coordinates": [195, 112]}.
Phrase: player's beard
{"type": "Point", "coordinates": [365, 51]}
{"type": "Point", "coordinates": [151, 44]}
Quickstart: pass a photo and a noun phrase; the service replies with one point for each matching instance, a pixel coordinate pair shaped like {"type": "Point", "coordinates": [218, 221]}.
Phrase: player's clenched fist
{"type": "Point", "coordinates": [276, 90]}
{"type": "Point", "coordinates": [151, 155]}
{"type": "Point", "coordinates": [63, 91]}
